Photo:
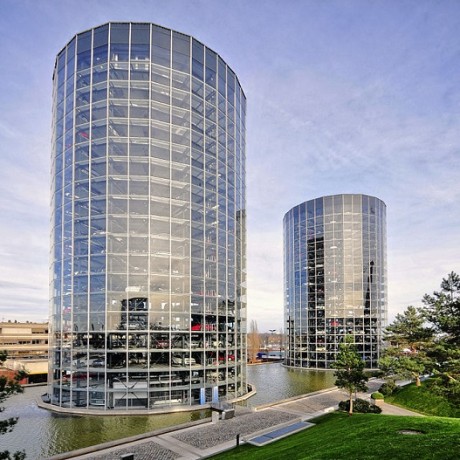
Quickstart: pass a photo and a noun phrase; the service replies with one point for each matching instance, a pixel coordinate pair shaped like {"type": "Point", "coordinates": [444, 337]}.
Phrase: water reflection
{"type": "Point", "coordinates": [275, 382]}
{"type": "Point", "coordinates": [42, 433]}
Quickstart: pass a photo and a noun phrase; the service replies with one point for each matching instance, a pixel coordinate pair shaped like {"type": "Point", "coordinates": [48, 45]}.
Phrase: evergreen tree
{"type": "Point", "coordinates": [434, 349]}
{"type": "Point", "coordinates": [350, 370]}
{"type": "Point", "coordinates": [397, 364]}
{"type": "Point", "coordinates": [410, 338]}
{"type": "Point", "coordinates": [408, 330]}
{"type": "Point", "coordinates": [442, 309]}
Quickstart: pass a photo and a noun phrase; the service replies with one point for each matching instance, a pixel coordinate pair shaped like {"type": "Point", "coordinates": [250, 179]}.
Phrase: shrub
{"type": "Point", "coordinates": [375, 409]}
{"type": "Point", "coordinates": [377, 395]}
{"type": "Point", "coordinates": [360, 406]}
{"type": "Point", "coordinates": [388, 388]}
{"type": "Point", "coordinates": [343, 406]}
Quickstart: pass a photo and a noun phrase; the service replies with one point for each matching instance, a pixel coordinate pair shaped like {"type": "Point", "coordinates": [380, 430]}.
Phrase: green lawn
{"type": "Point", "coordinates": [420, 399]}
{"type": "Point", "coordinates": [362, 436]}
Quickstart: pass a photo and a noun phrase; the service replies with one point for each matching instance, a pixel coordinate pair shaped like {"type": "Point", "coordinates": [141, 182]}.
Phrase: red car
{"type": "Point", "coordinates": [228, 358]}
{"type": "Point", "coordinates": [199, 327]}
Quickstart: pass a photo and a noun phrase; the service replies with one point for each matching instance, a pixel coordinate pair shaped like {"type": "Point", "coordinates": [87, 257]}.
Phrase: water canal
{"type": "Point", "coordinates": [42, 433]}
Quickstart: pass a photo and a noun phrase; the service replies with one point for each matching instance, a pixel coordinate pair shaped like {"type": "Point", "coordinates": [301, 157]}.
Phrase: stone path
{"type": "Point", "coordinates": [146, 451]}
{"type": "Point", "coordinates": [244, 424]}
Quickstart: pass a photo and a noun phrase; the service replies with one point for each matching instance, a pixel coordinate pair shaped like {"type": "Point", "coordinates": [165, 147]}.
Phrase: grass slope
{"type": "Point", "coordinates": [420, 399]}
{"type": "Point", "coordinates": [362, 436]}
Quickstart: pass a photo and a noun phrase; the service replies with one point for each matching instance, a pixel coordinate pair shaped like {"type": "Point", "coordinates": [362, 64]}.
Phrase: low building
{"type": "Point", "coordinates": [26, 345]}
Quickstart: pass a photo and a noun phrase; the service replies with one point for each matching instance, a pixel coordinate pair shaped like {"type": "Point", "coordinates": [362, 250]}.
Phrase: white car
{"type": "Point", "coordinates": [185, 361]}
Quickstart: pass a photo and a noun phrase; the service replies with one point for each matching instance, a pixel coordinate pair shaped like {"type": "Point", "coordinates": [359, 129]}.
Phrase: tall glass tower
{"type": "Point", "coordinates": [335, 278]}
{"type": "Point", "coordinates": [148, 270]}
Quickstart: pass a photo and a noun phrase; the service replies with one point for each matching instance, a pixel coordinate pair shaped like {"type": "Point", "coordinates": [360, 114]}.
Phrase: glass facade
{"type": "Point", "coordinates": [148, 258]}
{"type": "Point", "coordinates": [335, 278]}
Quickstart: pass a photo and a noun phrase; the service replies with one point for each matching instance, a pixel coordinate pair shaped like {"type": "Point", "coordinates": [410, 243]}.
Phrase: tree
{"type": "Point", "coordinates": [409, 336]}
{"type": "Point", "coordinates": [253, 342]}
{"type": "Point", "coordinates": [8, 388]}
{"type": "Point", "coordinates": [408, 330]}
{"type": "Point", "coordinates": [434, 349]}
{"type": "Point", "coordinates": [397, 364]}
{"type": "Point", "coordinates": [349, 370]}
{"type": "Point", "coordinates": [442, 309]}
{"type": "Point", "coordinates": [446, 371]}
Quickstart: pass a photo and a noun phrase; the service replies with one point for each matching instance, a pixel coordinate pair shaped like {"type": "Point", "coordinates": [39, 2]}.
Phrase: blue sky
{"type": "Point", "coordinates": [343, 97]}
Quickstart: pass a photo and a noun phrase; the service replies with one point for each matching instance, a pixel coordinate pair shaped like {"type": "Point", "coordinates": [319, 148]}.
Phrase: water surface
{"type": "Point", "coordinates": [275, 382]}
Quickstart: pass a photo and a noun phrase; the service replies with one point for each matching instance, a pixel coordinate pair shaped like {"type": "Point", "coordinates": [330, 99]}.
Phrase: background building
{"type": "Point", "coordinates": [26, 345]}
{"type": "Point", "coordinates": [24, 340]}
{"type": "Point", "coordinates": [148, 222]}
{"type": "Point", "coordinates": [335, 278]}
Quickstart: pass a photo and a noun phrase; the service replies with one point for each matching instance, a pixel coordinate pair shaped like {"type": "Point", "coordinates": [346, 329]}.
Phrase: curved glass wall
{"type": "Point", "coordinates": [148, 275]}
{"type": "Point", "coordinates": [335, 278]}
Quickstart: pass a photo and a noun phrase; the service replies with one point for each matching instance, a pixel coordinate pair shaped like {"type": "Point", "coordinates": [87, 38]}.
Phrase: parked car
{"type": "Point", "coordinates": [183, 361]}
{"type": "Point", "coordinates": [80, 362]}
{"type": "Point", "coordinates": [161, 343]}
{"type": "Point", "coordinates": [206, 327]}
{"type": "Point", "coordinates": [99, 362]}
{"type": "Point", "coordinates": [230, 357]}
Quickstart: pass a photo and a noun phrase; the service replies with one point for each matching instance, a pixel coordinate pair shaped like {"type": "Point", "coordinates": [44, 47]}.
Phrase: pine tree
{"type": "Point", "coordinates": [410, 338]}
{"type": "Point", "coordinates": [408, 330]}
{"type": "Point", "coordinates": [442, 309]}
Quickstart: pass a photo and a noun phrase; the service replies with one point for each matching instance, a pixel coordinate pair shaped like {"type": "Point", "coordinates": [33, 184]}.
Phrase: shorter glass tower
{"type": "Point", "coordinates": [335, 278]}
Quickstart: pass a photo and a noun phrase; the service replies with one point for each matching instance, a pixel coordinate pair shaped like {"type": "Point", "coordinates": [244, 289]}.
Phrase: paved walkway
{"type": "Point", "coordinates": [206, 439]}
{"type": "Point", "coordinates": [389, 409]}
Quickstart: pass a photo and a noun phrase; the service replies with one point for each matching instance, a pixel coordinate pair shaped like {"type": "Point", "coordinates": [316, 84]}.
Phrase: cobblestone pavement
{"type": "Point", "coordinates": [211, 435]}
{"type": "Point", "coordinates": [147, 451]}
